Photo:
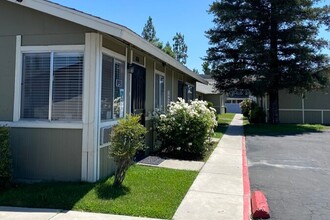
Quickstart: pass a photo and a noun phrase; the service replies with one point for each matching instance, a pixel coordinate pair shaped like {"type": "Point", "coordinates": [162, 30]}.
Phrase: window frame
{"type": "Point", "coordinates": [113, 121]}
{"type": "Point", "coordinates": [185, 92]}
{"type": "Point", "coordinates": [164, 98]}
{"type": "Point", "coordinates": [39, 123]}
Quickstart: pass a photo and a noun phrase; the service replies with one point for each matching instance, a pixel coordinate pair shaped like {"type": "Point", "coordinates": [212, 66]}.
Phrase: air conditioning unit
{"type": "Point", "coordinates": [105, 135]}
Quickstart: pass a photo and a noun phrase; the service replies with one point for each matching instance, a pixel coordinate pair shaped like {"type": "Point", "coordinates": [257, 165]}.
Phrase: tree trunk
{"type": "Point", "coordinates": [120, 173]}
{"type": "Point", "coordinates": [273, 116]}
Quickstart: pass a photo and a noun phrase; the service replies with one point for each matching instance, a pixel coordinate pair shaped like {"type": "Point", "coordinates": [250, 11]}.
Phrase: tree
{"type": "Point", "coordinates": [206, 68]}
{"type": "Point", "coordinates": [149, 33]}
{"type": "Point", "coordinates": [180, 48]}
{"type": "Point", "coordinates": [126, 138]}
{"type": "Point", "coordinates": [195, 71]}
{"type": "Point", "coordinates": [168, 49]}
{"type": "Point", "coordinates": [266, 46]}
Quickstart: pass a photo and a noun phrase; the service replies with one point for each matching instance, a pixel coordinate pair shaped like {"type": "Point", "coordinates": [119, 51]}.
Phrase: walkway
{"type": "Point", "coordinates": [217, 192]}
{"type": "Point", "coordinates": [13, 213]}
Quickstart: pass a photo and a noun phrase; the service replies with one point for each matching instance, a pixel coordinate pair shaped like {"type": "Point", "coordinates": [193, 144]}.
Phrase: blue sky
{"type": "Point", "coordinates": [169, 16]}
{"type": "Point", "coordinates": [189, 17]}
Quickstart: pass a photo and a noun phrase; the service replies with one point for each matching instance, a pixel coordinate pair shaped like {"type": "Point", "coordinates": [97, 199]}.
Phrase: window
{"type": "Point", "coordinates": [186, 91]}
{"type": "Point", "coordinates": [159, 93]}
{"type": "Point", "coordinates": [52, 85]}
{"type": "Point", "coordinates": [112, 96]}
{"type": "Point", "coordinates": [112, 89]}
{"type": "Point", "coordinates": [189, 92]}
{"type": "Point", "coordinates": [180, 88]}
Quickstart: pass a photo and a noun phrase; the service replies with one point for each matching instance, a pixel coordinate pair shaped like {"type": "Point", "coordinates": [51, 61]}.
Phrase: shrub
{"type": "Point", "coordinates": [185, 128]}
{"type": "Point", "coordinates": [257, 115]}
{"type": "Point", "coordinates": [246, 107]}
{"type": "Point", "coordinates": [5, 158]}
{"type": "Point", "coordinates": [125, 139]}
{"type": "Point", "coordinates": [209, 104]}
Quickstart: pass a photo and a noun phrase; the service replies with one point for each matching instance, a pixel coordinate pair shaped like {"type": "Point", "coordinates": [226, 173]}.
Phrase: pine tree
{"type": "Point", "coordinates": [206, 68]}
{"type": "Point", "coordinates": [195, 71]}
{"type": "Point", "coordinates": [149, 32]}
{"type": "Point", "coordinates": [266, 46]}
{"type": "Point", "coordinates": [168, 49]}
{"type": "Point", "coordinates": [180, 48]}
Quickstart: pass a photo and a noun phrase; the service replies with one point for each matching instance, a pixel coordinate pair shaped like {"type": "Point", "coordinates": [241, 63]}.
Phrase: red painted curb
{"type": "Point", "coordinates": [260, 209]}
{"type": "Point", "coordinates": [246, 184]}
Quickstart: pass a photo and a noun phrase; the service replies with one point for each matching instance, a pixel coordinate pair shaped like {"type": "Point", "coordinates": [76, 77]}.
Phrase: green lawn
{"type": "Point", "coordinates": [281, 129]}
{"type": "Point", "coordinates": [147, 191]}
{"type": "Point", "coordinates": [223, 122]}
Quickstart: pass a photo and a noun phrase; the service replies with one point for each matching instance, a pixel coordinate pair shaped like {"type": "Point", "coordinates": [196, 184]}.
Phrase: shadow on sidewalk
{"type": "Point", "coordinates": [235, 130]}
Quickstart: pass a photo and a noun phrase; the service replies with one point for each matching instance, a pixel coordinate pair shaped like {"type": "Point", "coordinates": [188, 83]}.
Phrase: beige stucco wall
{"type": "Point", "coordinates": [7, 76]}
{"type": "Point", "coordinates": [291, 107]}
{"type": "Point", "coordinates": [318, 99]}
{"type": "Point", "coordinates": [38, 28]}
{"type": "Point", "coordinates": [215, 99]}
{"type": "Point", "coordinates": [114, 45]}
{"type": "Point", "coordinates": [46, 154]}
{"type": "Point", "coordinates": [150, 73]}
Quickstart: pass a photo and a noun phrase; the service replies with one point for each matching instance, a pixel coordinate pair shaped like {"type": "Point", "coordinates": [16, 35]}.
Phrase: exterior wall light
{"type": "Point", "coordinates": [130, 68]}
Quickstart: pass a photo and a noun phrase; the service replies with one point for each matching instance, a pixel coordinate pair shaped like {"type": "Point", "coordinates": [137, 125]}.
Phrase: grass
{"type": "Point", "coordinates": [223, 122]}
{"type": "Point", "coordinates": [281, 129]}
{"type": "Point", "coordinates": [147, 191]}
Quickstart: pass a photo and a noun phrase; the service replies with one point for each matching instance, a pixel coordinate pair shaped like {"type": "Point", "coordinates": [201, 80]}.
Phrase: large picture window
{"type": "Point", "coordinates": [52, 85]}
{"type": "Point", "coordinates": [159, 93]}
{"type": "Point", "coordinates": [112, 89]}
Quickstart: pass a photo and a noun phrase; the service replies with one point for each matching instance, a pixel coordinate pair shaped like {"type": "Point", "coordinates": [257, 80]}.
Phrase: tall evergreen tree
{"type": "Point", "coordinates": [266, 46]}
{"type": "Point", "coordinates": [206, 68]}
{"type": "Point", "coordinates": [168, 49]}
{"type": "Point", "coordinates": [180, 48]}
{"type": "Point", "coordinates": [149, 33]}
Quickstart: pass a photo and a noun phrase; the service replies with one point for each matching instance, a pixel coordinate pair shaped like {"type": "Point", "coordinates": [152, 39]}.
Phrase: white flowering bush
{"type": "Point", "coordinates": [186, 127]}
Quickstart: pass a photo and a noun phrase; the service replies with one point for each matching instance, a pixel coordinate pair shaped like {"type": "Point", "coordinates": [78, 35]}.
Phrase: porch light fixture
{"type": "Point", "coordinates": [130, 68]}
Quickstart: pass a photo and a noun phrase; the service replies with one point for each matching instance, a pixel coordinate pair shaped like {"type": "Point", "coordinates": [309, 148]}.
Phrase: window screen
{"type": "Point", "coordinates": [107, 88]}
{"type": "Point", "coordinates": [35, 86]}
{"type": "Point", "coordinates": [59, 99]}
{"type": "Point", "coordinates": [67, 86]}
{"type": "Point", "coordinates": [160, 92]}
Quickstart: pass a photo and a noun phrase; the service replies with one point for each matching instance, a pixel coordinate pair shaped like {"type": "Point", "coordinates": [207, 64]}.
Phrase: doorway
{"type": "Point", "coordinates": [138, 92]}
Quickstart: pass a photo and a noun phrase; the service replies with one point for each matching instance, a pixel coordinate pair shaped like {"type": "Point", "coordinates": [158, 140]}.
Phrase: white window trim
{"type": "Point", "coordinates": [114, 54]}
{"type": "Point", "coordinates": [136, 63]}
{"type": "Point", "coordinates": [41, 124]}
{"type": "Point", "coordinates": [111, 122]}
{"type": "Point", "coordinates": [157, 72]}
{"type": "Point", "coordinates": [17, 121]}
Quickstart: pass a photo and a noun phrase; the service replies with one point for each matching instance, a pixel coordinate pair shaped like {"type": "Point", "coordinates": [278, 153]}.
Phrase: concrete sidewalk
{"type": "Point", "coordinates": [15, 213]}
{"type": "Point", "coordinates": [217, 192]}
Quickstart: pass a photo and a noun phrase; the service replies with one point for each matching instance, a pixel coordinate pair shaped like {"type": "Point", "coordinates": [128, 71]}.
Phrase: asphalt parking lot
{"type": "Point", "coordinates": [294, 173]}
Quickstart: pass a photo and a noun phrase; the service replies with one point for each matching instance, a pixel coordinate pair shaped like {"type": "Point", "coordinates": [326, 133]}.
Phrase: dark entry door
{"type": "Point", "coordinates": [139, 91]}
